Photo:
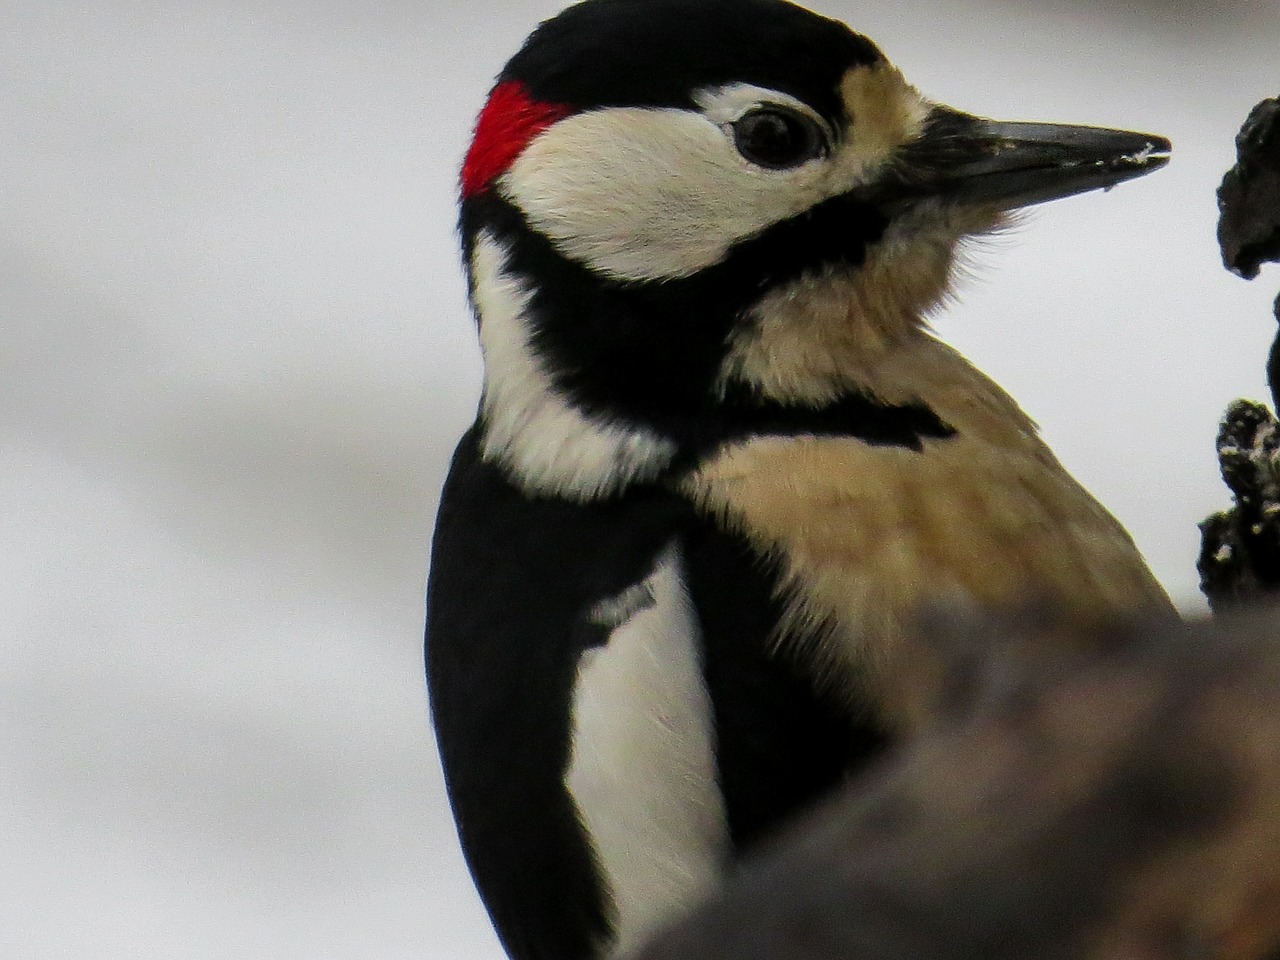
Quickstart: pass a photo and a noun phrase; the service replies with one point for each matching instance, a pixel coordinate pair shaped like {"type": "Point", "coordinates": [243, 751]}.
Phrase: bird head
{"type": "Point", "coordinates": [654, 185]}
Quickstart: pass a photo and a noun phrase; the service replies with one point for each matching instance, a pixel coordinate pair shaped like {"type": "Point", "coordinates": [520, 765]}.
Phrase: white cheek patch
{"type": "Point", "coordinates": [642, 771]}
{"type": "Point", "coordinates": [650, 194]}
{"type": "Point", "coordinates": [529, 427]}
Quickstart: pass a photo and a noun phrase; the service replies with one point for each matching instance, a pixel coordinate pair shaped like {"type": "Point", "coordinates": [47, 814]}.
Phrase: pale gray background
{"type": "Point", "coordinates": [234, 356]}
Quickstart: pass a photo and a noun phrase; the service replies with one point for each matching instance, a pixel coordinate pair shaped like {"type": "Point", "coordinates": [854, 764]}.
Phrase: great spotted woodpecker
{"type": "Point", "coordinates": [720, 458]}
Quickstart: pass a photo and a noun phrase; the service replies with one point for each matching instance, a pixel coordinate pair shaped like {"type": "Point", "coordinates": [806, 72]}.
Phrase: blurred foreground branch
{"type": "Point", "coordinates": [1095, 794]}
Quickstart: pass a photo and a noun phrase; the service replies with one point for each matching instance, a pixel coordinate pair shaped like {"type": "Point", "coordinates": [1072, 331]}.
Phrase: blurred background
{"type": "Point", "coordinates": [234, 356]}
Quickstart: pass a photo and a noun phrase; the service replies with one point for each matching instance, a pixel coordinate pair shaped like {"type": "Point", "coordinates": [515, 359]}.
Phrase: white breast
{"type": "Point", "coordinates": [642, 769]}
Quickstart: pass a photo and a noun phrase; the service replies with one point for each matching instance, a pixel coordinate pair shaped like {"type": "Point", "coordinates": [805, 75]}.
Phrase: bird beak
{"type": "Point", "coordinates": [973, 161]}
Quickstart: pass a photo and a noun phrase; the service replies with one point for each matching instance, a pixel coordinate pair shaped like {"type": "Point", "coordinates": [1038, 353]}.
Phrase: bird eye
{"type": "Point", "coordinates": [778, 139]}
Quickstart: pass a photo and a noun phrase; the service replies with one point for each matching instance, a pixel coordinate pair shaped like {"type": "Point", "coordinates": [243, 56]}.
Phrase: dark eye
{"type": "Point", "coordinates": [777, 139]}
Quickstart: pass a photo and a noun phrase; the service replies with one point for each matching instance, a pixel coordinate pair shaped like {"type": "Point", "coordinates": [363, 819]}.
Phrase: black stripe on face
{"type": "Point", "coordinates": [658, 52]}
{"type": "Point", "coordinates": [513, 579]}
{"type": "Point", "coordinates": [832, 235]}
{"type": "Point", "coordinates": [650, 354]}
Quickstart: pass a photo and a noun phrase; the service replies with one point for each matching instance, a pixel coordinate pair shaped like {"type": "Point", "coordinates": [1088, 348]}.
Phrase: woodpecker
{"type": "Point", "coordinates": [719, 457]}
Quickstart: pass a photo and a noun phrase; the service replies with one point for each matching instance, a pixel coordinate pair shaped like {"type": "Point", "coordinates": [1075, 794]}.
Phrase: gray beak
{"type": "Point", "coordinates": [970, 160]}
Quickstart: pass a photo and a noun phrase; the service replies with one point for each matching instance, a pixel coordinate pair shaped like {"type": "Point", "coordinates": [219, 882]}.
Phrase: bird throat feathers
{"type": "Point", "coordinates": [806, 345]}
{"type": "Point", "coordinates": [863, 532]}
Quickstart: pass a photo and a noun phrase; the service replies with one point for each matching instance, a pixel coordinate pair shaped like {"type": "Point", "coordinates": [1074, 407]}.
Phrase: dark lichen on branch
{"type": "Point", "coordinates": [1240, 547]}
{"type": "Point", "coordinates": [1249, 198]}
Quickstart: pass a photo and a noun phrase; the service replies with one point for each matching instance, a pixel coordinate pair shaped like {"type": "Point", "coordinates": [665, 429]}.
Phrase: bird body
{"type": "Point", "coordinates": [720, 458]}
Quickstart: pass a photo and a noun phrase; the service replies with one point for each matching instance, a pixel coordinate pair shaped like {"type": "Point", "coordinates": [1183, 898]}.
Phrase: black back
{"type": "Point", "coordinates": [512, 579]}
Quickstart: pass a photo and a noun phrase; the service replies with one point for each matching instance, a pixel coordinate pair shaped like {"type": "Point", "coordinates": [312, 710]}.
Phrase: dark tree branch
{"type": "Point", "coordinates": [1249, 198]}
{"type": "Point", "coordinates": [1240, 548]}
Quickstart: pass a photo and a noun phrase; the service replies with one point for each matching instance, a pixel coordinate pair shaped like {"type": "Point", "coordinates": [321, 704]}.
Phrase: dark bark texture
{"type": "Point", "coordinates": [1240, 547]}
{"type": "Point", "coordinates": [1249, 198]}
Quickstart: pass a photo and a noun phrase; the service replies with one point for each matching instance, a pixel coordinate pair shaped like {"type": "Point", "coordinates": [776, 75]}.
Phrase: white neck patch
{"type": "Point", "coordinates": [529, 427]}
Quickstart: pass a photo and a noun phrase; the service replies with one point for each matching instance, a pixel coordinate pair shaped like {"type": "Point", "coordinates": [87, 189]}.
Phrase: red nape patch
{"type": "Point", "coordinates": [507, 123]}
